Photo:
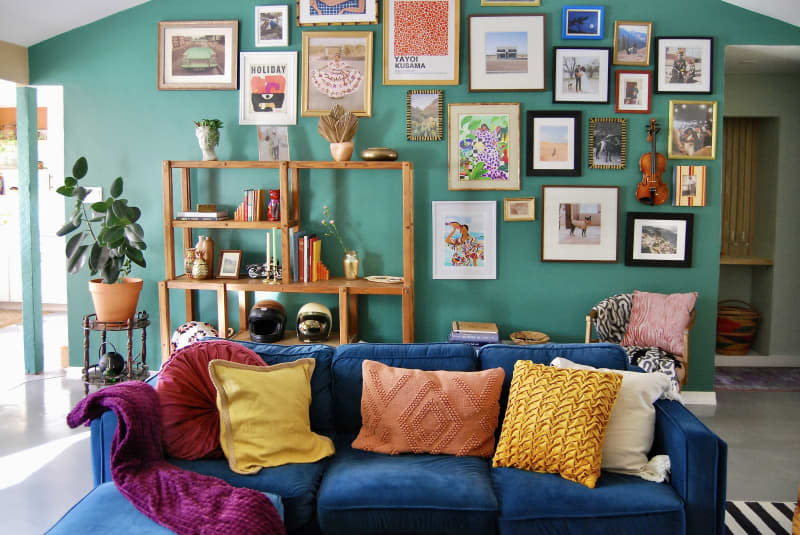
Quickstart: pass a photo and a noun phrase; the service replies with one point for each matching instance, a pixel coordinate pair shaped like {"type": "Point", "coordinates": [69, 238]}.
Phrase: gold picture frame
{"type": "Point", "coordinates": [198, 54]}
{"type": "Point", "coordinates": [630, 47]}
{"type": "Point", "coordinates": [691, 137]}
{"type": "Point", "coordinates": [489, 3]}
{"type": "Point", "coordinates": [519, 209]}
{"type": "Point", "coordinates": [419, 106]}
{"type": "Point", "coordinates": [608, 142]}
{"type": "Point", "coordinates": [369, 16]}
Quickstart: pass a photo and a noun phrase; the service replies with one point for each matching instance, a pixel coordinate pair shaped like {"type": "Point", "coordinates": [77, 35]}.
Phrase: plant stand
{"type": "Point", "coordinates": [135, 368]}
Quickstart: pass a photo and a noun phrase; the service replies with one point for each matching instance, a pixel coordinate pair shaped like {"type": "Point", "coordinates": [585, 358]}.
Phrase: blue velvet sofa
{"type": "Point", "coordinates": [359, 492]}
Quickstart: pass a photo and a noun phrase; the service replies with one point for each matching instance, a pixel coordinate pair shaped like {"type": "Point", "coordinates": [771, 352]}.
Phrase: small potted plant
{"type": "Point", "coordinates": [109, 239]}
{"type": "Point", "coordinates": [339, 128]}
{"type": "Point", "coordinates": [207, 132]}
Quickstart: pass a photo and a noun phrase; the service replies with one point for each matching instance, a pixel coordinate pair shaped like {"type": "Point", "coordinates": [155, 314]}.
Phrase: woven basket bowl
{"type": "Point", "coordinates": [524, 338]}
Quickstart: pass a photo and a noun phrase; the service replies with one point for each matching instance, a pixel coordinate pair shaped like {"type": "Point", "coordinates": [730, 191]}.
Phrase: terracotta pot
{"type": "Point", "coordinates": [341, 152]}
{"type": "Point", "coordinates": [115, 302]}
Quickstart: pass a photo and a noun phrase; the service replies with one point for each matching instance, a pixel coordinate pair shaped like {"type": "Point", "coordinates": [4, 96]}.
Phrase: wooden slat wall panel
{"type": "Point", "coordinates": [739, 186]}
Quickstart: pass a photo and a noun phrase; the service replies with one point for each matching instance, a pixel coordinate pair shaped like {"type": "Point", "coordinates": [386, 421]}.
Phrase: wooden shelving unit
{"type": "Point", "coordinates": [347, 290]}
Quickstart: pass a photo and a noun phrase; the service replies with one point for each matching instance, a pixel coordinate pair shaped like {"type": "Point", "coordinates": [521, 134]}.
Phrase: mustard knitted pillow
{"type": "Point", "coordinates": [556, 421]}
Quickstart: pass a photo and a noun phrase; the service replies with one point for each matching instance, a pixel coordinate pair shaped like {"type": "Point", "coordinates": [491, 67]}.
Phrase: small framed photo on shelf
{"type": "Point", "coordinates": [692, 130]}
{"type": "Point", "coordinates": [506, 52]}
{"type": "Point", "coordinates": [198, 54]}
{"type": "Point", "coordinates": [633, 91]}
{"type": "Point", "coordinates": [580, 223]}
{"type": "Point", "coordinates": [272, 26]}
{"type": "Point", "coordinates": [464, 239]}
{"type": "Point", "coordinates": [689, 185]}
{"type": "Point", "coordinates": [519, 209]}
{"type": "Point", "coordinates": [684, 65]}
{"type": "Point", "coordinates": [229, 263]}
{"type": "Point", "coordinates": [607, 143]}
{"type": "Point", "coordinates": [424, 115]}
{"type": "Point", "coordinates": [554, 143]}
{"type": "Point", "coordinates": [268, 88]}
{"type": "Point", "coordinates": [659, 240]}
{"type": "Point", "coordinates": [341, 12]}
{"type": "Point", "coordinates": [273, 143]}
{"type": "Point", "coordinates": [581, 74]}
{"type": "Point", "coordinates": [632, 42]}
{"type": "Point", "coordinates": [582, 22]}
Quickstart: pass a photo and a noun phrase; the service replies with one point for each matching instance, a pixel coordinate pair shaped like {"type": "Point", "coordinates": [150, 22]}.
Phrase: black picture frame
{"type": "Point", "coordinates": [535, 164]}
{"type": "Point", "coordinates": [571, 89]}
{"type": "Point", "coordinates": [706, 47]}
{"type": "Point", "coordinates": [660, 226]}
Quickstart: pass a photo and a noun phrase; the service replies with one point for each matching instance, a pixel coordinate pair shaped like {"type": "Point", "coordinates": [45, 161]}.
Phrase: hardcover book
{"type": "Point", "coordinates": [475, 327]}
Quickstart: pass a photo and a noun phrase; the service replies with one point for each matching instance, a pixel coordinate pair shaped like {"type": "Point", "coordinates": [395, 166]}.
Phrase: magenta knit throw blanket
{"type": "Point", "coordinates": [183, 501]}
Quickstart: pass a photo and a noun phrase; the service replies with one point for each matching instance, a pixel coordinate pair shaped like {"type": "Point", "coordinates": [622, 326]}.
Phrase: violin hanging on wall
{"type": "Point", "coordinates": [652, 190]}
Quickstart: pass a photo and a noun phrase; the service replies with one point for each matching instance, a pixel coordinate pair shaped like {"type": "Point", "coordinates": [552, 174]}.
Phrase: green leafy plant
{"type": "Point", "coordinates": [213, 129]}
{"type": "Point", "coordinates": [332, 231]}
{"type": "Point", "coordinates": [115, 240]}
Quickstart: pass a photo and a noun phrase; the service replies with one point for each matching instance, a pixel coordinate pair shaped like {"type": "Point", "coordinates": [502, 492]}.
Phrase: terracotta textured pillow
{"type": "Point", "coordinates": [658, 320]}
{"type": "Point", "coordinates": [556, 421]}
{"type": "Point", "coordinates": [189, 400]}
{"type": "Point", "coordinates": [406, 410]}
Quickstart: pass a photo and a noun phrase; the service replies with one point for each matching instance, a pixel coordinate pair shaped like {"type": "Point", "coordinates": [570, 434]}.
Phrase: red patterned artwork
{"type": "Point", "coordinates": [418, 28]}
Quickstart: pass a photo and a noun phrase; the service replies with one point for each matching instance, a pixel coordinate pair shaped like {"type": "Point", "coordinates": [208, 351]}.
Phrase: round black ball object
{"type": "Point", "coordinates": [267, 321]}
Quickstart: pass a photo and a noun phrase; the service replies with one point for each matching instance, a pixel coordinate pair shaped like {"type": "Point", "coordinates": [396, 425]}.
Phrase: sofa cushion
{"type": "Point", "coordinates": [105, 510]}
{"type": "Point", "coordinates": [346, 371]}
{"type": "Point", "coordinates": [374, 493]}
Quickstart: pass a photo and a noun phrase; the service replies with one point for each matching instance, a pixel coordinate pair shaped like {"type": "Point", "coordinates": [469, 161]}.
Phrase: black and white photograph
{"type": "Point", "coordinates": [659, 240]}
{"type": "Point", "coordinates": [607, 143]}
{"type": "Point", "coordinates": [272, 26]}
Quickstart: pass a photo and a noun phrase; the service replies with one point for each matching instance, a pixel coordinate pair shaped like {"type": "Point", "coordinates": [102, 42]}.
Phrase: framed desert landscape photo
{"type": "Point", "coordinates": [506, 53]}
{"type": "Point", "coordinates": [554, 143]}
{"type": "Point", "coordinates": [608, 143]}
{"type": "Point", "coordinates": [483, 150]}
{"type": "Point", "coordinates": [659, 240]}
{"type": "Point", "coordinates": [633, 91]}
{"type": "Point", "coordinates": [464, 239]}
{"type": "Point", "coordinates": [336, 12]}
{"type": "Point", "coordinates": [519, 209]}
{"type": "Point", "coordinates": [272, 26]}
{"type": "Point", "coordinates": [424, 114]}
{"type": "Point", "coordinates": [581, 74]}
{"type": "Point", "coordinates": [689, 185]}
{"type": "Point", "coordinates": [337, 69]}
{"type": "Point", "coordinates": [684, 64]}
{"type": "Point", "coordinates": [582, 22]}
{"type": "Point", "coordinates": [580, 223]}
{"type": "Point", "coordinates": [692, 129]}
{"type": "Point", "coordinates": [198, 54]}
{"type": "Point", "coordinates": [632, 42]}
{"type": "Point", "coordinates": [420, 42]}
{"type": "Point", "coordinates": [268, 88]}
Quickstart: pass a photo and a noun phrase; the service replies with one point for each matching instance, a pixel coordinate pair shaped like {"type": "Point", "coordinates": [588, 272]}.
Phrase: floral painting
{"type": "Point", "coordinates": [464, 240]}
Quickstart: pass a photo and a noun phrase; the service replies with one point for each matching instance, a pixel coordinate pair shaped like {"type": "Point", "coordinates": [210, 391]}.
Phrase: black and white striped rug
{"type": "Point", "coordinates": [759, 518]}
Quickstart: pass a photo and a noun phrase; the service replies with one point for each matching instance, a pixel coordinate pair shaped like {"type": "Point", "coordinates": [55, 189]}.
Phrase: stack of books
{"type": "Point", "coordinates": [475, 333]}
{"type": "Point", "coordinates": [202, 216]}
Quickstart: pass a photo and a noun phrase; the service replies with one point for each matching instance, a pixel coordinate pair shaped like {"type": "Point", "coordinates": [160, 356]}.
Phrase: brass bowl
{"type": "Point", "coordinates": [379, 153]}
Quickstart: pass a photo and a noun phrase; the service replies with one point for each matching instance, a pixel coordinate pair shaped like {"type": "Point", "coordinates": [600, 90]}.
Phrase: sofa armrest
{"type": "Point", "coordinates": [699, 463]}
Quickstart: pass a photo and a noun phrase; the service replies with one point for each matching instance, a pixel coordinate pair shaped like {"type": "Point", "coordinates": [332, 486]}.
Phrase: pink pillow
{"type": "Point", "coordinates": [189, 400]}
{"type": "Point", "coordinates": [658, 320]}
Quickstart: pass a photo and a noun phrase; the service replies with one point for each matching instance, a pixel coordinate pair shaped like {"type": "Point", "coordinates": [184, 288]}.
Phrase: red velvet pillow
{"type": "Point", "coordinates": [658, 320]}
{"type": "Point", "coordinates": [189, 400]}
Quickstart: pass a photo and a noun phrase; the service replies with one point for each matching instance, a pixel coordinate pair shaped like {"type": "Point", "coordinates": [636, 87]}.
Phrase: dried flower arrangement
{"type": "Point", "coordinates": [338, 126]}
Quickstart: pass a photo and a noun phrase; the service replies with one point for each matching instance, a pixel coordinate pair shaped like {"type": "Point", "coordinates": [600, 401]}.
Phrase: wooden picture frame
{"type": "Point", "coordinates": [272, 26]}
{"type": "Point", "coordinates": [268, 88]}
{"type": "Point", "coordinates": [657, 239]}
{"type": "Point", "coordinates": [230, 261]}
{"type": "Point", "coordinates": [684, 65]}
{"type": "Point", "coordinates": [554, 143]}
{"type": "Point", "coordinates": [519, 209]}
{"type": "Point", "coordinates": [346, 12]}
{"type": "Point", "coordinates": [464, 239]}
{"type": "Point", "coordinates": [689, 185]}
{"type": "Point", "coordinates": [424, 115]}
{"type": "Point", "coordinates": [582, 22]}
{"type": "Point", "coordinates": [692, 130]}
{"type": "Point", "coordinates": [410, 60]}
{"type": "Point", "coordinates": [506, 52]}
{"type": "Point", "coordinates": [580, 223]}
{"type": "Point", "coordinates": [608, 143]}
{"type": "Point", "coordinates": [347, 54]}
{"type": "Point", "coordinates": [198, 55]}
{"type": "Point", "coordinates": [483, 152]}
{"type": "Point", "coordinates": [634, 91]}
{"type": "Point", "coordinates": [632, 42]}
{"type": "Point", "coordinates": [581, 74]}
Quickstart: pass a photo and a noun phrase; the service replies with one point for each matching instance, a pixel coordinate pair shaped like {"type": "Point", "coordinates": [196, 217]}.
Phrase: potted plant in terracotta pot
{"type": "Point", "coordinates": [105, 235]}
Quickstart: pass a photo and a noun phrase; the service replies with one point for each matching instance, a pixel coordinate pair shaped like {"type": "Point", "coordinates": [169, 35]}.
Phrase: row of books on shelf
{"type": "Point", "coordinates": [253, 208]}
{"type": "Point", "coordinates": [475, 333]}
{"type": "Point", "coordinates": [305, 252]}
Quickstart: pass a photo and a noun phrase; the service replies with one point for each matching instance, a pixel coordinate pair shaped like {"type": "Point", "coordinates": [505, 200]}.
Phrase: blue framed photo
{"type": "Point", "coordinates": [582, 22]}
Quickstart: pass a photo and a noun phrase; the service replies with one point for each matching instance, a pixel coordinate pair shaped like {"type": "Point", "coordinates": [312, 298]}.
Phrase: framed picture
{"type": "Point", "coordinates": [659, 240]}
{"type": "Point", "coordinates": [272, 26]}
{"type": "Point", "coordinates": [229, 262]}
{"type": "Point", "coordinates": [510, 2]}
{"type": "Point", "coordinates": [632, 42]}
{"type": "Point", "coordinates": [554, 143]}
{"type": "Point", "coordinates": [273, 143]}
{"type": "Point", "coordinates": [420, 42]}
{"type": "Point", "coordinates": [582, 22]}
{"type": "Point", "coordinates": [684, 65]}
{"type": "Point", "coordinates": [692, 130]}
{"type": "Point", "coordinates": [689, 185]}
{"type": "Point", "coordinates": [198, 54]}
{"type": "Point", "coordinates": [336, 12]}
{"type": "Point", "coordinates": [424, 114]}
{"type": "Point", "coordinates": [484, 146]}
{"type": "Point", "coordinates": [581, 74]}
{"type": "Point", "coordinates": [464, 239]}
{"type": "Point", "coordinates": [337, 69]}
{"type": "Point", "coordinates": [580, 224]}
{"type": "Point", "coordinates": [506, 52]}
{"type": "Point", "coordinates": [608, 143]}
{"type": "Point", "coordinates": [268, 88]}
{"type": "Point", "coordinates": [519, 209]}
{"type": "Point", "coordinates": [633, 91]}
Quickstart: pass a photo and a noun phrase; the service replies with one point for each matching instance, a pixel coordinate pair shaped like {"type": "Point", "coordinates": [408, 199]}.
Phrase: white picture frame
{"type": "Point", "coordinates": [473, 221]}
{"type": "Point", "coordinates": [264, 77]}
{"type": "Point", "coordinates": [272, 26]}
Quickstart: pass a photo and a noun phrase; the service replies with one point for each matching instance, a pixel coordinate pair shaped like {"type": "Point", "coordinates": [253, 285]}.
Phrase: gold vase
{"type": "Point", "coordinates": [351, 265]}
{"type": "Point", "coordinates": [341, 152]}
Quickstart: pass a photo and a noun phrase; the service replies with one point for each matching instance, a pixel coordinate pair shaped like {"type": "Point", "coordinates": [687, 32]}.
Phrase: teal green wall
{"type": "Point", "coordinates": [117, 118]}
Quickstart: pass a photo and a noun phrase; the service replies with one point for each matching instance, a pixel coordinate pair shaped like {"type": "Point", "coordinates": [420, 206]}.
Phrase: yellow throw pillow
{"type": "Point", "coordinates": [264, 417]}
{"type": "Point", "coordinates": [556, 420]}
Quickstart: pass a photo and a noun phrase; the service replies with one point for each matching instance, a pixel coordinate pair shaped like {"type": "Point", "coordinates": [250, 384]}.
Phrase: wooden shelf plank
{"type": "Point", "coordinates": [745, 261]}
{"type": "Point", "coordinates": [358, 286]}
{"type": "Point", "coordinates": [310, 164]}
{"type": "Point", "coordinates": [230, 223]}
{"type": "Point", "coordinates": [346, 165]}
{"type": "Point", "coordinates": [290, 339]}
{"type": "Point", "coordinates": [223, 164]}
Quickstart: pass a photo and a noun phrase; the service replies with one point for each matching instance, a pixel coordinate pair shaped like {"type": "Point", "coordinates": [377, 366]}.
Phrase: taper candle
{"type": "Point", "coordinates": [274, 248]}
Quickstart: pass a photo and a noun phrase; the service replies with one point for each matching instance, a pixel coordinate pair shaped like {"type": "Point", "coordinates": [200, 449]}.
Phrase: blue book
{"type": "Point", "coordinates": [474, 338]}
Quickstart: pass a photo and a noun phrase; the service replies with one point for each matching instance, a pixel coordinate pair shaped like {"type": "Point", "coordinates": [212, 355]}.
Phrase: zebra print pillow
{"type": "Point", "coordinates": [613, 314]}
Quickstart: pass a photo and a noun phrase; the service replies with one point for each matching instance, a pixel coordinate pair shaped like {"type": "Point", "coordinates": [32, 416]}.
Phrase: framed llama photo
{"type": "Point", "coordinates": [229, 263]}
{"type": "Point", "coordinates": [607, 143]}
{"type": "Point", "coordinates": [692, 130]}
{"type": "Point", "coordinates": [337, 69]}
{"type": "Point", "coordinates": [268, 88]}
{"type": "Point", "coordinates": [580, 224]}
{"type": "Point", "coordinates": [581, 74]}
{"type": "Point", "coordinates": [689, 185]}
{"type": "Point", "coordinates": [336, 12]}
{"type": "Point", "coordinates": [272, 26]}
{"type": "Point", "coordinates": [582, 22]}
{"type": "Point", "coordinates": [198, 54]}
{"type": "Point", "coordinates": [554, 143]}
{"type": "Point", "coordinates": [483, 152]}
{"type": "Point", "coordinates": [420, 42]}
{"type": "Point", "coordinates": [683, 64]}
{"type": "Point", "coordinates": [424, 114]}
{"type": "Point", "coordinates": [464, 239]}
{"type": "Point", "coordinates": [519, 209]}
{"type": "Point", "coordinates": [632, 43]}
{"type": "Point", "coordinates": [633, 91]}
{"type": "Point", "coordinates": [659, 240]}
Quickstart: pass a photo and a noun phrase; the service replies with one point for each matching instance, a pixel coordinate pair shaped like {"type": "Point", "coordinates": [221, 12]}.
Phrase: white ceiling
{"type": "Point", "coordinates": [754, 59]}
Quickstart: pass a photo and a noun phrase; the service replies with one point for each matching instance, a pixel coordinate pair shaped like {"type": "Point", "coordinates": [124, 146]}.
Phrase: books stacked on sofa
{"type": "Point", "coordinates": [476, 333]}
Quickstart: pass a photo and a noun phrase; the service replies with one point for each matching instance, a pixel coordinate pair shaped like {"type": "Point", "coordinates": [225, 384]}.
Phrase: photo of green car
{"type": "Point", "coordinates": [199, 58]}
